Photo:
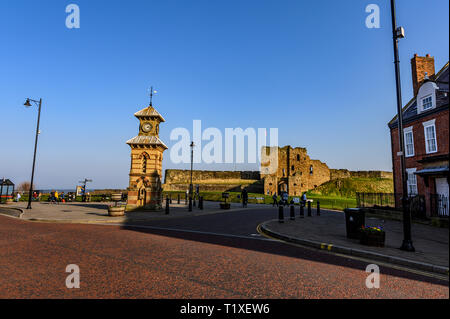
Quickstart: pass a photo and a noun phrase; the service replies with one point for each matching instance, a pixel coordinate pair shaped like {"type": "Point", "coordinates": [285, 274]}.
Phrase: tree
{"type": "Point", "coordinates": [24, 187]}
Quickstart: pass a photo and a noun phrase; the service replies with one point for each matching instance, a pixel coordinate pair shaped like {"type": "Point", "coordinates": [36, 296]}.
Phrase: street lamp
{"type": "Point", "coordinates": [28, 104]}
{"type": "Point", "coordinates": [399, 33]}
{"type": "Point", "coordinates": [191, 187]}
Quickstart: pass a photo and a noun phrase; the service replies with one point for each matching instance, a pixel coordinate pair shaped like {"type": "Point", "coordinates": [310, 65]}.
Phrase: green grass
{"type": "Point", "coordinates": [348, 187]}
{"type": "Point", "coordinates": [326, 202]}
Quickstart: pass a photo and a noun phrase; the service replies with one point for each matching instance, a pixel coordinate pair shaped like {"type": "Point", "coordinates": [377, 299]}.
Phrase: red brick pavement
{"type": "Point", "coordinates": [121, 263]}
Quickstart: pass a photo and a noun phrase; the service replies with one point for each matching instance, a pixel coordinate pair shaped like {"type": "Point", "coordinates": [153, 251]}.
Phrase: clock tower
{"type": "Point", "coordinates": [147, 150]}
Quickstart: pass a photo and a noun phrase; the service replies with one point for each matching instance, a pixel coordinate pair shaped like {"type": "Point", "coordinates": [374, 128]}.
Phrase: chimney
{"type": "Point", "coordinates": [419, 66]}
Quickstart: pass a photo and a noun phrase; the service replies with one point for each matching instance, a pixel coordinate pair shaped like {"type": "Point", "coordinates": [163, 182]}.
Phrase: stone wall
{"type": "Point", "coordinates": [344, 173]}
{"type": "Point", "coordinates": [177, 176]}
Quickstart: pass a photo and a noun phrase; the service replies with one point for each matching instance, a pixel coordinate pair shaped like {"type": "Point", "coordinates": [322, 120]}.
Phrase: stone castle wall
{"type": "Point", "coordinates": [296, 173]}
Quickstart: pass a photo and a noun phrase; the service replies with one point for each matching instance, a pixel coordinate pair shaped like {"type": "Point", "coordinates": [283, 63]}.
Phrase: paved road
{"type": "Point", "coordinates": [127, 262]}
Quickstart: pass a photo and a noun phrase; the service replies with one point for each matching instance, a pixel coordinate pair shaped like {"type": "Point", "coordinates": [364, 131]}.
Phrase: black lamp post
{"type": "Point", "coordinates": [191, 187]}
{"type": "Point", "coordinates": [28, 104]}
{"type": "Point", "coordinates": [399, 33]}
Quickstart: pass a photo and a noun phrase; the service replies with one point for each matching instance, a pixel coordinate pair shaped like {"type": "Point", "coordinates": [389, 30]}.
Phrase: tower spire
{"type": "Point", "coordinates": [151, 95]}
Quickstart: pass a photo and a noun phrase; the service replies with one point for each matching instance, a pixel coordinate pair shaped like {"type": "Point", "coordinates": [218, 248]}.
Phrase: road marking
{"type": "Point", "coordinates": [191, 231]}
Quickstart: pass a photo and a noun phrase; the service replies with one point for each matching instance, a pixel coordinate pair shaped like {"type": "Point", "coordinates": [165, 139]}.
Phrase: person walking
{"type": "Point", "coordinates": [275, 200]}
{"type": "Point", "coordinates": [244, 198]}
{"type": "Point", "coordinates": [304, 199]}
{"type": "Point", "coordinates": [18, 197]}
{"type": "Point", "coordinates": [56, 197]}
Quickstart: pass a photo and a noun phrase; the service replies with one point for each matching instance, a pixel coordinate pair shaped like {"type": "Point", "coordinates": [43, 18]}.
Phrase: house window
{"type": "Point", "coordinates": [427, 103]}
{"type": "Point", "coordinates": [430, 137]}
{"type": "Point", "coordinates": [144, 165]}
{"type": "Point", "coordinates": [412, 181]}
{"type": "Point", "coordinates": [409, 142]}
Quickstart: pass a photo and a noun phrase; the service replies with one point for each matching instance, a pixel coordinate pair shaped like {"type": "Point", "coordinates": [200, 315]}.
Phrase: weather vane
{"type": "Point", "coordinates": [151, 91]}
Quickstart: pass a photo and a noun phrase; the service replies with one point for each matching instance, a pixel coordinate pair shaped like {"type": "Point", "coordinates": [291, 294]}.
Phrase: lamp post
{"type": "Point", "coordinates": [39, 104]}
{"type": "Point", "coordinates": [399, 33]}
{"type": "Point", "coordinates": [191, 187]}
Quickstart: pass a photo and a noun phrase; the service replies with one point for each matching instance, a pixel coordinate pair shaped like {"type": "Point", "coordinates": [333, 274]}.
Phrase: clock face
{"type": "Point", "coordinates": [146, 127]}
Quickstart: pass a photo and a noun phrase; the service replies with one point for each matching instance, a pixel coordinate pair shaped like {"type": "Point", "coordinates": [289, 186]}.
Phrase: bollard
{"type": "Point", "coordinates": [309, 209]}
{"type": "Point", "coordinates": [170, 198]}
{"type": "Point", "coordinates": [318, 208]}
{"type": "Point", "coordinates": [280, 214]}
{"type": "Point", "coordinates": [302, 210]}
{"type": "Point", "coordinates": [167, 205]}
{"type": "Point", "coordinates": [194, 201]}
{"type": "Point", "coordinates": [190, 204]}
{"type": "Point", "coordinates": [178, 200]}
{"type": "Point", "coordinates": [200, 202]}
{"type": "Point", "coordinates": [292, 212]}
{"type": "Point", "coordinates": [186, 199]}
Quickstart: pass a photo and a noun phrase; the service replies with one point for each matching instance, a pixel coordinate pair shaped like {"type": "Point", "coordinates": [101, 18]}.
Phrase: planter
{"type": "Point", "coordinates": [117, 197]}
{"type": "Point", "coordinates": [376, 239]}
{"type": "Point", "coordinates": [115, 211]}
{"type": "Point", "coordinates": [225, 205]}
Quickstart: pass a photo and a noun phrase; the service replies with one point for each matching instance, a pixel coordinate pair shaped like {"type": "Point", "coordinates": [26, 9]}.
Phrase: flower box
{"type": "Point", "coordinates": [225, 205]}
{"type": "Point", "coordinates": [115, 211]}
{"type": "Point", "coordinates": [372, 236]}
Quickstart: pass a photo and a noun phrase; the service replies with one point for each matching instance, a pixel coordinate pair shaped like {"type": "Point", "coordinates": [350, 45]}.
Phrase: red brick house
{"type": "Point", "coordinates": [426, 135]}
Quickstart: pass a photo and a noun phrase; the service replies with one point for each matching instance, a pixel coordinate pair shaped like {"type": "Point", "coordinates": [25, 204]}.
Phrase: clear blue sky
{"type": "Point", "coordinates": [310, 68]}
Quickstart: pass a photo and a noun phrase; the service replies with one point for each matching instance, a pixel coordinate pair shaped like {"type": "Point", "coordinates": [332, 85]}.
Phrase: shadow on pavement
{"type": "Point", "coordinates": [262, 245]}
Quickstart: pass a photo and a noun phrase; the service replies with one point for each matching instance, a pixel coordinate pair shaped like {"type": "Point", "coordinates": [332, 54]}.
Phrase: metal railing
{"type": "Point", "coordinates": [439, 205]}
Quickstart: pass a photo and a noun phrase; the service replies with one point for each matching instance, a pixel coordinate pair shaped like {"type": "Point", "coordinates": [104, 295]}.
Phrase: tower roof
{"type": "Point", "coordinates": [146, 140]}
{"type": "Point", "coordinates": [149, 111]}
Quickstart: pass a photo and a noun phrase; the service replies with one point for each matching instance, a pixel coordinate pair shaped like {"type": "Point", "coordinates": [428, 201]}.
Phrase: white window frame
{"type": "Point", "coordinates": [426, 125]}
{"type": "Point", "coordinates": [406, 131]}
{"type": "Point", "coordinates": [410, 173]}
{"type": "Point", "coordinates": [431, 102]}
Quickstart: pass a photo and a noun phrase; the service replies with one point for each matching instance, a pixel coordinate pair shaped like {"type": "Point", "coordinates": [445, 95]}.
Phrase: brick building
{"type": "Point", "coordinates": [426, 135]}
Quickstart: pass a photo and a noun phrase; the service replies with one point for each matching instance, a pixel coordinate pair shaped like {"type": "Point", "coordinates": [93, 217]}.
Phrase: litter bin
{"type": "Point", "coordinates": [354, 220]}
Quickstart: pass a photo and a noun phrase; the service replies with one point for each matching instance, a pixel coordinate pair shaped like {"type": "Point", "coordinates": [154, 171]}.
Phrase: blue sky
{"type": "Point", "coordinates": [310, 68]}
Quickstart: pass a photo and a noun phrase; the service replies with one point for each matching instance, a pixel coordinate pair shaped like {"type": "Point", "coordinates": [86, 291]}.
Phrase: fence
{"type": "Point", "coordinates": [389, 201]}
{"type": "Point", "coordinates": [438, 205]}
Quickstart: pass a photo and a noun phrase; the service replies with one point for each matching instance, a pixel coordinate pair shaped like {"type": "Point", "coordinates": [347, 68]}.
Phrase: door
{"type": "Point", "coordinates": [442, 191]}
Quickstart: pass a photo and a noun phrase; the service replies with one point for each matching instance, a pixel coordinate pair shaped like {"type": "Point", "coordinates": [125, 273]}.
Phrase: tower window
{"type": "Point", "coordinates": [311, 170]}
{"type": "Point", "coordinates": [144, 164]}
{"type": "Point", "coordinates": [298, 157]}
{"type": "Point", "coordinates": [292, 168]}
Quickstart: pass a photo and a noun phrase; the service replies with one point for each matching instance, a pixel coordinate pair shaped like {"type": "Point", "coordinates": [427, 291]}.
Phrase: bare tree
{"type": "Point", "coordinates": [24, 187]}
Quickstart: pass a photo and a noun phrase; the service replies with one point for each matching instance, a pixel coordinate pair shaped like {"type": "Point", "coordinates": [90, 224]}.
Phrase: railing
{"type": "Point", "coordinates": [392, 201]}
{"type": "Point", "coordinates": [439, 205]}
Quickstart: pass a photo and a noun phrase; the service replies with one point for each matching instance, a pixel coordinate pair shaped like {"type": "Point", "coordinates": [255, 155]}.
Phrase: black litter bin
{"type": "Point", "coordinates": [354, 220]}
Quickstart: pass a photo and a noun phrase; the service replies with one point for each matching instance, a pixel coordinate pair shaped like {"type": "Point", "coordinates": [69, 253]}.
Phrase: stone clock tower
{"type": "Point", "coordinates": [147, 149]}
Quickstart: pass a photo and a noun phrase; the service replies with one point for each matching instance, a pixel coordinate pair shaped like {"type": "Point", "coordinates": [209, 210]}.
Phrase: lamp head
{"type": "Point", "coordinates": [27, 103]}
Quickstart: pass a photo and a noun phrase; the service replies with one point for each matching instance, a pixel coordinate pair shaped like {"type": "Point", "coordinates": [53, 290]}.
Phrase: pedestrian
{"type": "Point", "coordinates": [304, 199]}
{"type": "Point", "coordinates": [56, 197]}
{"type": "Point", "coordinates": [18, 197]}
{"type": "Point", "coordinates": [275, 200]}
{"type": "Point", "coordinates": [63, 197]}
{"type": "Point", "coordinates": [244, 198]}
{"type": "Point", "coordinates": [34, 196]}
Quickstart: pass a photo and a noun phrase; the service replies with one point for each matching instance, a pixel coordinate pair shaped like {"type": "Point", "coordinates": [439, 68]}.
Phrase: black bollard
{"type": "Point", "coordinates": [280, 214]}
{"type": "Point", "coordinates": [167, 205]}
{"type": "Point", "coordinates": [309, 209]}
{"type": "Point", "coordinates": [302, 210]}
{"type": "Point", "coordinates": [292, 212]}
{"type": "Point", "coordinates": [190, 204]}
{"type": "Point", "coordinates": [170, 198]}
{"type": "Point", "coordinates": [186, 199]}
{"type": "Point", "coordinates": [178, 200]}
{"type": "Point", "coordinates": [318, 208]}
{"type": "Point", "coordinates": [194, 201]}
{"type": "Point", "coordinates": [200, 202]}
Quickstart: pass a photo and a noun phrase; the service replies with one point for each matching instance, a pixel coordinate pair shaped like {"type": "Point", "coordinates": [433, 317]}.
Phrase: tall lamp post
{"type": "Point", "coordinates": [28, 104]}
{"type": "Point", "coordinates": [191, 187]}
{"type": "Point", "coordinates": [399, 33]}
